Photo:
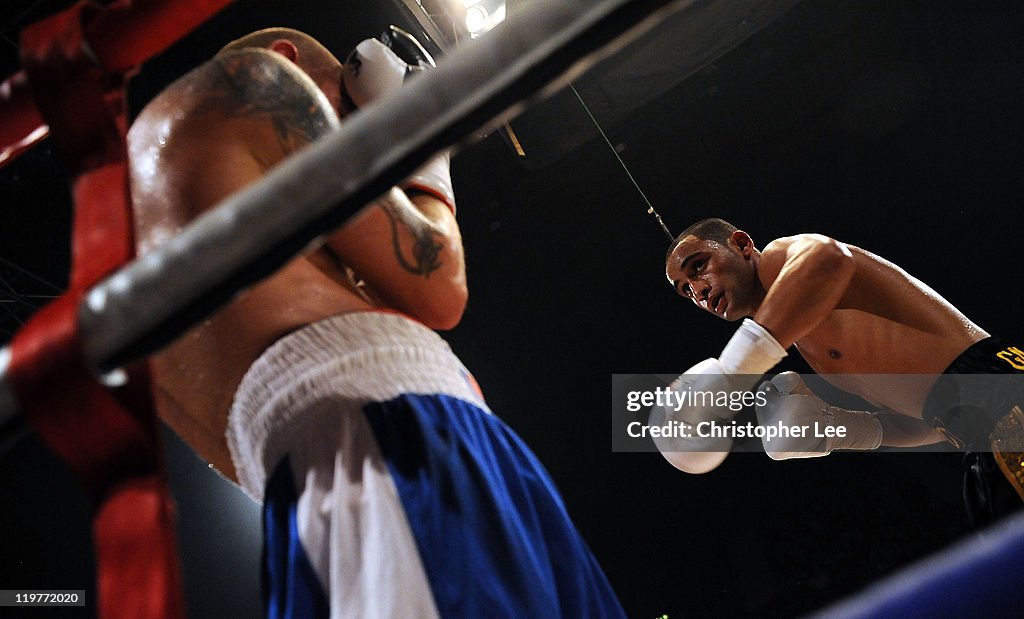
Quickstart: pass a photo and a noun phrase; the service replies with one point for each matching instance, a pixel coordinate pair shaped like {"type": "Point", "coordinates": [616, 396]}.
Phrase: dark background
{"type": "Point", "coordinates": [893, 125]}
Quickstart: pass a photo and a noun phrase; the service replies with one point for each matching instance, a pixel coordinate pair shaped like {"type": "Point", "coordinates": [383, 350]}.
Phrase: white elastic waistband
{"type": "Point", "coordinates": [328, 368]}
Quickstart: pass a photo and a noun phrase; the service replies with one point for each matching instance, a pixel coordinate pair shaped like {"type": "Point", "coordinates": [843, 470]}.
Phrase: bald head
{"type": "Point", "coordinates": [265, 38]}
{"type": "Point", "coordinates": [306, 52]}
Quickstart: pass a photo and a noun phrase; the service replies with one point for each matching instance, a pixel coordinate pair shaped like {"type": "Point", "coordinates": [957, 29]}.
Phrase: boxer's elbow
{"type": "Point", "coordinates": [441, 307]}
{"type": "Point", "coordinates": [447, 293]}
{"type": "Point", "coordinates": [826, 248]}
{"type": "Point", "coordinates": [831, 259]}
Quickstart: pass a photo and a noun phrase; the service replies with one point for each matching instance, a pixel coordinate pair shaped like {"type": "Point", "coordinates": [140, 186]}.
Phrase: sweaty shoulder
{"type": "Point", "coordinates": [774, 255]}
{"type": "Point", "coordinates": [217, 129]}
{"type": "Point", "coordinates": [250, 83]}
{"type": "Point", "coordinates": [772, 258]}
{"type": "Point", "coordinates": [877, 287]}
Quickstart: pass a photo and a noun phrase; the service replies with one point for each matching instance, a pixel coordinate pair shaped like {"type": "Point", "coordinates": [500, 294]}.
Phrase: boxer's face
{"type": "Point", "coordinates": [718, 278]}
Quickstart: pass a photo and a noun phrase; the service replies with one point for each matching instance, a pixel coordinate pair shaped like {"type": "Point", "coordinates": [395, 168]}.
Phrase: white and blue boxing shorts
{"type": "Point", "coordinates": [390, 490]}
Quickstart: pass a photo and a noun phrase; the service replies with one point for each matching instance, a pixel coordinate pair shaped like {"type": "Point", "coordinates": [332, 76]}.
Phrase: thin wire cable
{"type": "Point", "coordinates": [650, 207]}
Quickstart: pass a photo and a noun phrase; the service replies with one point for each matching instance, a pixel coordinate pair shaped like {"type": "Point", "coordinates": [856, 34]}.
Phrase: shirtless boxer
{"type": "Point", "coordinates": [389, 490]}
{"type": "Point", "coordinates": [863, 323]}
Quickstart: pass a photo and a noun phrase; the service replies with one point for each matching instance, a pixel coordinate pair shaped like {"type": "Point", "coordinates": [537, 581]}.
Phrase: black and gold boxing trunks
{"type": "Point", "coordinates": [978, 405]}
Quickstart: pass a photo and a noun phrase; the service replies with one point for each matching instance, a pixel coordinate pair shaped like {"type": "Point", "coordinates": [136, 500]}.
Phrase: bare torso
{"type": "Point", "coordinates": [889, 338]}
{"type": "Point", "coordinates": [197, 376]}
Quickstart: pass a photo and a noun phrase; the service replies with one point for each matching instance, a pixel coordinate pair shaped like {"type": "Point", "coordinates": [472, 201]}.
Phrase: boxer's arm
{"type": "Point", "coordinates": [898, 430]}
{"type": "Point", "coordinates": [787, 403]}
{"type": "Point", "coordinates": [408, 251]}
{"type": "Point", "coordinates": [410, 254]}
{"type": "Point", "coordinates": [805, 277]}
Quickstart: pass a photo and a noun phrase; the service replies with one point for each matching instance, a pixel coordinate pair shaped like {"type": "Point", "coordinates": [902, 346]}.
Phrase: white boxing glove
{"type": "Point", "coordinates": [372, 72]}
{"type": "Point", "coordinates": [751, 352]}
{"type": "Point", "coordinates": [809, 427]}
{"type": "Point", "coordinates": [377, 68]}
{"type": "Point", "coordinates": [692, 448]}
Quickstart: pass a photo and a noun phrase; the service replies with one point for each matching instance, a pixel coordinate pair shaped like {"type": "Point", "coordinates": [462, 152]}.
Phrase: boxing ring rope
{"type": "Point", "coordinates": [974, 578]}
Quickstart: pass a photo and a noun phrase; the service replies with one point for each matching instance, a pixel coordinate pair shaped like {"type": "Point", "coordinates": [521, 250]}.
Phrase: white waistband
{"type": "Point", "coordinates": [293, 390]}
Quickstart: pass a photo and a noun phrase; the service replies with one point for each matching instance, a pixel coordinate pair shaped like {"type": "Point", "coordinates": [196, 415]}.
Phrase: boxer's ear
{"type": "Point", "coordinates": [286, 48]}
{"type": "Point", "coordinates": [743, 242]}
